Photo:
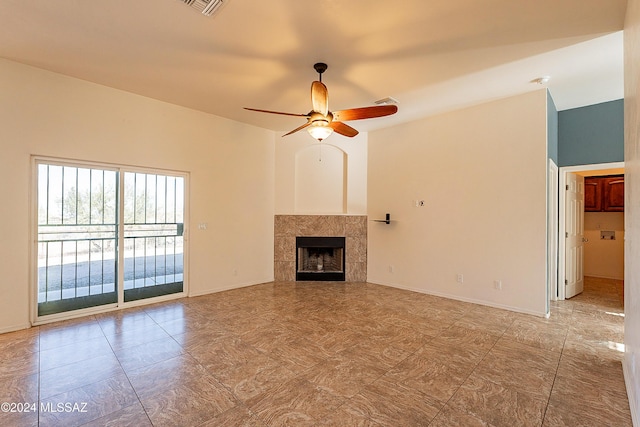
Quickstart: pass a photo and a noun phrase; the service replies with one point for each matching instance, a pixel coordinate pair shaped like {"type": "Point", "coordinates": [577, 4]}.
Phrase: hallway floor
{"type": "Point", "coordinates": [322, 354]}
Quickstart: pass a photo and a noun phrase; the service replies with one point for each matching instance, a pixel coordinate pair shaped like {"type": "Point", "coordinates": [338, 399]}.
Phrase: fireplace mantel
{"type": "Point", "coordinates": [352, 227]}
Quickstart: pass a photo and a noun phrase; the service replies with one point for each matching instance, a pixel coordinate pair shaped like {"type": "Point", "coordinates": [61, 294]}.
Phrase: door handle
{"type": "Point", "coordinates": [585, 240]}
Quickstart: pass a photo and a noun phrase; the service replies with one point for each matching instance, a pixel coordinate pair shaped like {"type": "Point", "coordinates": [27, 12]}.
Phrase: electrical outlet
{"type": "Point", "coordinates": [459, 278]}
{"type": "Point", "coordinates": [497, 285]}
{"type": "Point", "coordinates": [391, 269]}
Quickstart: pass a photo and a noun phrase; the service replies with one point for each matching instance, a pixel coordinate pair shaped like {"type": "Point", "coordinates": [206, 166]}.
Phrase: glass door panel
{"type": "Point", "coordinates": [153, 235]}
{"type": "Point", "coordinates": [77, 238]}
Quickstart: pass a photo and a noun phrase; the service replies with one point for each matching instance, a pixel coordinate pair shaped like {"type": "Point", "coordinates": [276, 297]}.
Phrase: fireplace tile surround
{"type": "Point", "coordinates": [352, 227]}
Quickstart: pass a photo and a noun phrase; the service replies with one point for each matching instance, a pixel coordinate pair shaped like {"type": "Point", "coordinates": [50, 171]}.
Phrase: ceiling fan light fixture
{"type": "Point", "coordinates": [320, 130]}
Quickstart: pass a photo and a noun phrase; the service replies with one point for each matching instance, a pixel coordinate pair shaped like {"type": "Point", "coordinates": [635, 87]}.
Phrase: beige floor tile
{"type": "Point", "coordinates": [20, 342]}
{"type": "Point", "coordinates": [16, 388]}
{"type": "Point", "coordinates": [294, 403]}
{"type": "Point", "coordinates": [69, 332]}
{"type": "Point", "coordinates": [224, 353]}
{"type": "Point", "coordinates": [538, 334]}
{"type": "Point", "coordinates": [17, 364]}
{"type": "Point", "coordinates": [238, 416]}
{"type": "Point", "coordinates": [343, 418]}
{"type": "Point", "coordinates": [189, 322]}
{"type": "Point", "coordinates": [343, 376]}
{"type": "Point", "coordinates": [298, 355]}
{"type": "Point", "coordinates": [190, 403]}
{"type": "Point", "coordinates": [256, 376]}
{"type": "Point", "coordinates": [490, 322]}
{"type": "Point", "coordinates": [18, 391]}
{"type": "Point", "coordinates": [593, 396]}
{"type": "Point", "coordinates": [450, 417]}
{"type": "Point", "coordinates": [606, 371]}
{"type": "Point", "coordinates": [131, 416]}
{"type": "Point", "coordinates": [562, 415]}
{"type": "Point", "coordinates": [154, 379]}
{"type": "Point", "coordinates": [596, 350]}
{"type": "Point", "coordinates": [476, 344]}
{"type": "Point", "coordinates": [166, 312]}
{"type": "Point", "coordinates": [325, 354]}
{"type": "Point", "coordinates": [436, 371]}
{"type": "Point", "coordinates": [20, 418]}
{"type": "Point", "coordinates": [140, 335]}
{"type": "Point", "coordinates": [498, 405]}
{"type": "Point", "coordinates": [383, 355]}
{"type": "Point", "coordinates": [391, 404]}
{"type": "Point", "coordinates": [132, 358]}
{"type": "Point", "coordinates": [87, 403]}
{"type": "Point", "coordinates": [195, 337]}
{"type": "Point", "coordinates": [520, 367]}
{"type": "Point", "coordinates": [69, 377]}
{"type": "Point", "coordinates": [74, 352]}
{"type": "Point", "coordinates": [125, 320]}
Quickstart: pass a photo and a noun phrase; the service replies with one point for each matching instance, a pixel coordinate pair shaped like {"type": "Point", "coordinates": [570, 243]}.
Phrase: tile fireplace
{"type": "Point", "coordinates": [351, 228]}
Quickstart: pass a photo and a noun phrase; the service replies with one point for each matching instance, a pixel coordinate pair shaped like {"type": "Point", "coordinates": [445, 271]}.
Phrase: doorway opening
{"type": "Point", "coordinates": [571, 258]}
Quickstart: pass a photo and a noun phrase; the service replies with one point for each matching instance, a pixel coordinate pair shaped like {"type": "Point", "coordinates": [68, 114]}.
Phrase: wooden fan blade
{"type": "Point", "coordinates": [298, 128]}
{"type": "Point", "coordinates": [320, 98]}
{"type": "Point", "coordinates": [365, 112]}
{"type": "Point", "coordinates": [343, 129]}
{"type": "Point", "coordinates": [276, 112]}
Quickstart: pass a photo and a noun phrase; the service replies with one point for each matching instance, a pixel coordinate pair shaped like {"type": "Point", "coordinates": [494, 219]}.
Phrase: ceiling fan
{"type": "Point", "coordinates": [321, 122]}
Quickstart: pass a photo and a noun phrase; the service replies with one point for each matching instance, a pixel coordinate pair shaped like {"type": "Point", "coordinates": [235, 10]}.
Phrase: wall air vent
{"type": "Point", "coordinates": [206, 7]}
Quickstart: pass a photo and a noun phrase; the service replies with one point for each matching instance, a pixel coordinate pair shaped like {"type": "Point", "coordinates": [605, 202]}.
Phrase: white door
{"type": "Point", "coordinates": [574, 233]}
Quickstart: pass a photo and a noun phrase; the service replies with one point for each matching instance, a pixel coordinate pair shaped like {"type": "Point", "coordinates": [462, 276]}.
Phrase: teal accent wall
{"type": "Point", "coordinates": [552, 129]}
{"type": "Point", "coordinates": [592, 134]}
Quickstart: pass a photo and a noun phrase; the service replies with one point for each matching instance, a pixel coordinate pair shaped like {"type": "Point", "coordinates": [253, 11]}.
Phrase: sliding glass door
{"type": "Point", "coordinates": [96, 225]}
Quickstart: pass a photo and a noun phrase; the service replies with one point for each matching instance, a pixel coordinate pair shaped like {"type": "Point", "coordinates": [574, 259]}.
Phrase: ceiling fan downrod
{"type": "Point", "coordinates": [320, 67]}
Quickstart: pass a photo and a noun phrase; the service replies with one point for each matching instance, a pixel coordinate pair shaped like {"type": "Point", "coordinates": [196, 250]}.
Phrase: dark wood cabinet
{"type": "Point", "coordinates": [592, 194]}
{"type": "Point", "coordinates": [604, 193]}
{"type": "Point", "coordinates": [613, 199]}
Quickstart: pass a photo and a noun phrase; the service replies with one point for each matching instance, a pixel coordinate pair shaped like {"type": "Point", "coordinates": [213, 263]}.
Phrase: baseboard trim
{"type": "Point", "coordinates": [14, 328]}
{"type": "Point", "coordinates": [228, 288]}
{"type": "Point", "coordinates": [604, 277]}
{"type": "Point", "coordinates": [631, 393]}
{"type": "Point", "coordinates": [463, 299]}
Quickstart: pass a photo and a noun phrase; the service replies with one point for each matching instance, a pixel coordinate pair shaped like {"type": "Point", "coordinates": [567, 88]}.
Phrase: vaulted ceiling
{"type": "Point", "coordinates": [432, 56]}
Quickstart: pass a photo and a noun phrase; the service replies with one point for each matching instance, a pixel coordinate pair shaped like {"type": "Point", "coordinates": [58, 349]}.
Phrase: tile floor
{"type": "Point", "coordinates": [323, 354]}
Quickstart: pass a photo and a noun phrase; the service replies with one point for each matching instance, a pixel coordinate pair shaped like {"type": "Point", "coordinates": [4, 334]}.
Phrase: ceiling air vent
{"type": "Point", "coordinates": [206, 7]}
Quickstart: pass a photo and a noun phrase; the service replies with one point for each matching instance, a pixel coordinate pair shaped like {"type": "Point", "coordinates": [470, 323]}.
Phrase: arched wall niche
{"type": "Point", "coordinates": [321, 180]}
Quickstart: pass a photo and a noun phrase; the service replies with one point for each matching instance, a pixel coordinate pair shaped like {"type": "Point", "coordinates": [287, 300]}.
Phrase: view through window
{"type": "Point", "coordinates": [81, 252]}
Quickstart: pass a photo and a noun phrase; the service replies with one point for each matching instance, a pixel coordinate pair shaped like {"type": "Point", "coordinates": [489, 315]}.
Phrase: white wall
{"type": "Point", "coordinates": [482, 173]}
{"type": "Point", "coordinates": [230, 166]}
{"type": "Point", "coordinates": [291, 157]}
{"type": "Point", "coordinates": [632, 206]}
{"type": "Point", "coordinates": [321, 180]}
{"type": "Point", "coordinates": [604, 258]}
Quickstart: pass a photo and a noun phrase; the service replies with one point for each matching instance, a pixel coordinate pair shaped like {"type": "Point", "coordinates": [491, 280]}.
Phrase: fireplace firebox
{"type": "Point", "coordinates": [320, 258]}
